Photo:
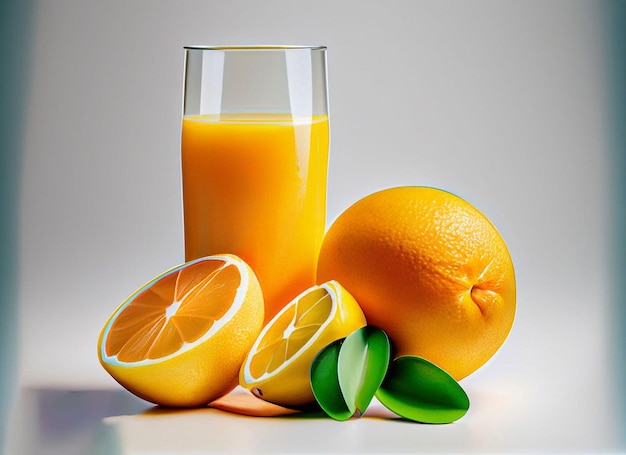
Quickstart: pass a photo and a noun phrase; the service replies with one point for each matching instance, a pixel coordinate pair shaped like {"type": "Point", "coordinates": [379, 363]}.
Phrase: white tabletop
{"type": "Point", "coordinates": [502, 419]}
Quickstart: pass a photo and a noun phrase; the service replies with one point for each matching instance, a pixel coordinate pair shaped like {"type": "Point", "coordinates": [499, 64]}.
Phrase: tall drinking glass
{"type": "Point", "coordinates": [255, 139]}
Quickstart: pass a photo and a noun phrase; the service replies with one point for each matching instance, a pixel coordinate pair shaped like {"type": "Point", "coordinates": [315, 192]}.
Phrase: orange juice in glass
{"type": "Point", "coordinates": [255, 139]}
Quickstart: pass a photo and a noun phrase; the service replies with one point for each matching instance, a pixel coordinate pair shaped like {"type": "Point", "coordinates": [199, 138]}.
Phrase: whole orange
{"type": "Point", "coordinates": [429, 269]}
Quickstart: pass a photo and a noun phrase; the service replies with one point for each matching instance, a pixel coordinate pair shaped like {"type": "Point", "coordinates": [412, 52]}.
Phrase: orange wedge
{"type": "Point", "coordinates": [277, 367]}
{"type": "Point", "coordinates": [180, 339]}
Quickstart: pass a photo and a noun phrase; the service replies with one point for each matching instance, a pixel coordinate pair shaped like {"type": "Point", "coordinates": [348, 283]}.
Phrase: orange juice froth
{"type": "Point", "coordinates": [255, 186]}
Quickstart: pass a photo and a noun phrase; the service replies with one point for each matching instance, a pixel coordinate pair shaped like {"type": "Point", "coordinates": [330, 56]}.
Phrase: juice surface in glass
{"type": "Point", "coordinates": [254, 185]}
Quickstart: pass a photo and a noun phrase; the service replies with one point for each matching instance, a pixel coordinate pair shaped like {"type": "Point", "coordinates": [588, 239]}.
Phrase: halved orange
{"type": "Point", "coordinates": [277, 367]}
{"type": "Point", "coordinates": [180, 339]}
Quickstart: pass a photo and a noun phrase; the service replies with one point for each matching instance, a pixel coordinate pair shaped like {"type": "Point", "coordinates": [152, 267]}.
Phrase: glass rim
{"type": "Point", "coordinates": [253, 47]}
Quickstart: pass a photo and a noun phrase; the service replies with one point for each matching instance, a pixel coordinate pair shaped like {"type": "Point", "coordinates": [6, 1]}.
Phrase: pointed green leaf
{"type": "Point", "coordinates": [325, 382]}
{"type": "Point", "coordinates": [416, 389]}
{"type": "Point", "coordinates": [363, 361]}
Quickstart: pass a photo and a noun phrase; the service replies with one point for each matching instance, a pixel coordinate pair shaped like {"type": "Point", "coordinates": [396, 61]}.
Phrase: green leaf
{"type": "Point", "coordinates": [362, 365]}
{"type": "Point", "coordinates": [325, 382]}
{"type": "Point", "coordinates": [417, 389]}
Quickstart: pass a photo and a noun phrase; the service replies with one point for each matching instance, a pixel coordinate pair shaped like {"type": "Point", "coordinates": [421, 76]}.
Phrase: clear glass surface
{"type": "Point", "coordinates": [255, 141]}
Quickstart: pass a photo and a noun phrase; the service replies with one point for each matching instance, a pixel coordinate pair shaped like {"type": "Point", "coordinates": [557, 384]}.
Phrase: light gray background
{"type": "Point", "coordinates": [501, 102]}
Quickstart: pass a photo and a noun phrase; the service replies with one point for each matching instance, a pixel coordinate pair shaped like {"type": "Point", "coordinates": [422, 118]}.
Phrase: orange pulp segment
{"type": "Point", "coordinates": [291, 332]}
{"type": "Point", "coordinates": [172, 312]}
